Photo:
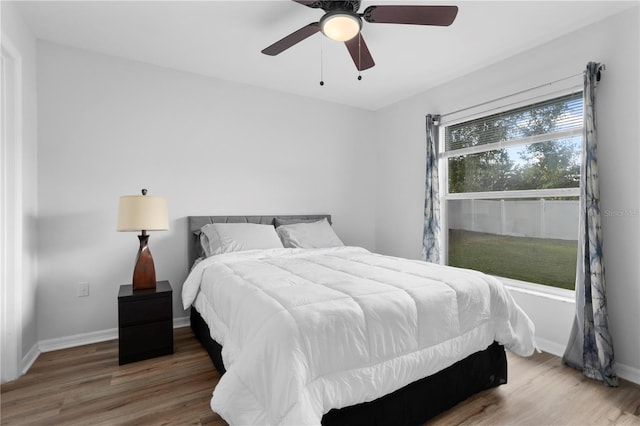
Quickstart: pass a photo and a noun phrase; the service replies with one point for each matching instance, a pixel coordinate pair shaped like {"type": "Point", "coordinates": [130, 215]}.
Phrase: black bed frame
{"type": "Point", "coordinates": [411, 405]}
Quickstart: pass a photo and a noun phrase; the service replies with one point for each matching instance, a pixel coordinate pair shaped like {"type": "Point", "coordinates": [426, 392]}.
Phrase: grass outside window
{"type": "Point", "coordinates": [538, 260]}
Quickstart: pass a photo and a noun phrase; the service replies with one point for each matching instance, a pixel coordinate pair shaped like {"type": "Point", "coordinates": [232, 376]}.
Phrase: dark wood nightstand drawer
{"type": "Point", "coordinates": [145, 341]}
{"type": "Point", "coordinates": [133, 312]}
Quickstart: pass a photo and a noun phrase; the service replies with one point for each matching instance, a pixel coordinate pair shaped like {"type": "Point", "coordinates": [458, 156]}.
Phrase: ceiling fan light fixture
{"type": "Point", "coordinates": [340, 26]}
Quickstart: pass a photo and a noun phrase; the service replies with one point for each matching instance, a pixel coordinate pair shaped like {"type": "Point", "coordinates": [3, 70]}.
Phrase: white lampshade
{"type": "Point", "coordinates": [340, 26]}
{"type": "Point", "coordinates": [143, 212]}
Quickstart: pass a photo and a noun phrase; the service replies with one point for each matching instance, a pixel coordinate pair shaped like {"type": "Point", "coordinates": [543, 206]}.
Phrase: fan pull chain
{"type": "Point", "coordinates": [321, 64]}
{"type": "Point", "coordinates": [359, 56]}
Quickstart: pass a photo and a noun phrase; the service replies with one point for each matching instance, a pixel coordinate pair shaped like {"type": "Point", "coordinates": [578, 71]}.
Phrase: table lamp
{"type": "Point", "coordinates": [143, 213]}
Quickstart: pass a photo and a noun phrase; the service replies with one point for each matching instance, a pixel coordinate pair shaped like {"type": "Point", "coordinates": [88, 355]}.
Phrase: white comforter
{"type": "Point", "coordinates": [307, 330]}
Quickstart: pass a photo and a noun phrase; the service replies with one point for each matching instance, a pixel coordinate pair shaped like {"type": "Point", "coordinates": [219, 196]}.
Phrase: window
{"type": "Point", "coordinates": [511, 187]}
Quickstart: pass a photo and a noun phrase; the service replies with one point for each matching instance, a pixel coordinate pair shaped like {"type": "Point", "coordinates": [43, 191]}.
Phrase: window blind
{"type": "Point", "coordinates": [551, 116]}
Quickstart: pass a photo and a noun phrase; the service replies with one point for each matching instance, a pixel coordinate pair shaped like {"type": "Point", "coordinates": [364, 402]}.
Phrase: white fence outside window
{"type": "Point", "coordinates": [557, 219]}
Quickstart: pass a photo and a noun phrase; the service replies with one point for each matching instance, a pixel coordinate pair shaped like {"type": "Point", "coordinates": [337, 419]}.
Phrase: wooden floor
{"type": "Point", "coordinates": [85, 385]}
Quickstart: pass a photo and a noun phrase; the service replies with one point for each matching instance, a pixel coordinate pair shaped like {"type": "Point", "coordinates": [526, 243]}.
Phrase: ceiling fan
{"type": "Point", "coordinates": [342, 22]}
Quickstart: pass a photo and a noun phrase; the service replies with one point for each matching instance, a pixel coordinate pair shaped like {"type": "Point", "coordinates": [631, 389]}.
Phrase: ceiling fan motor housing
{"type": "Point", "coordinates": [347, 6]}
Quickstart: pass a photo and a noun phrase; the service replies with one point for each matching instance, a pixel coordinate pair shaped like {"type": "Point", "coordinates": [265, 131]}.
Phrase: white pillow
{"type": "Point", "coordinates": [309, 235]}
{"type": "Point", "coordinates": [218, 238]}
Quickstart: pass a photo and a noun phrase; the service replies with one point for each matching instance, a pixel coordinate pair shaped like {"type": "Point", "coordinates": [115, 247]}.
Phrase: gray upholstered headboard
{"type": "Point", "coordinates": [197, 222]}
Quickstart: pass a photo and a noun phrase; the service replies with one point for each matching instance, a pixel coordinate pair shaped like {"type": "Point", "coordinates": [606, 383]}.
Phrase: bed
{"type": "Point", "coordinates": [401, 379]}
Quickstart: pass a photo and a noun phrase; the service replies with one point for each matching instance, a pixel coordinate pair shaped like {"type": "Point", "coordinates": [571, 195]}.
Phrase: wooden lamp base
{"type": "Point", "coordinates": [144, 273]}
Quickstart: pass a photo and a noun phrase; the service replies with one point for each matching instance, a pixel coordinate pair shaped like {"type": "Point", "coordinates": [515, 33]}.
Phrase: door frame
{"type": "Point", "coordinates": [11, 212]}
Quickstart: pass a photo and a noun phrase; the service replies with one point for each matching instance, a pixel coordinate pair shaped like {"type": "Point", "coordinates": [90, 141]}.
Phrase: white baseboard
{"type": "Point", "coordinates": [548, 346]}
{"type": "Point", "coordinates": [92, 337]}
{"type": "Point", "coordinates": [181, 322]}
{"type": "Point", "coordinates": [623, 371]}
{"type": "Point", "coordinates": [78, 340]}
{"type": "Point", "coordinates": [628, 373]}
{"type": "Point", "coordinates": [30, 358]}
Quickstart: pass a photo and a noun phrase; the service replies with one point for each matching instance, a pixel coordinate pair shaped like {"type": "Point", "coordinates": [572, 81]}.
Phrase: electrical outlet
{"type": "Point", "coordinates": [83, 289]}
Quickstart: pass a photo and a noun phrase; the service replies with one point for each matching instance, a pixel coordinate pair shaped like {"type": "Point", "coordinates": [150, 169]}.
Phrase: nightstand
{"type": "Point", "coordinates": [145, 322]}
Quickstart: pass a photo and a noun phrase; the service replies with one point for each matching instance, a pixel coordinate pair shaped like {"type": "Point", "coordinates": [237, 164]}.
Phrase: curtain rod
{"type": "Point", "coordinates": [513, 94]}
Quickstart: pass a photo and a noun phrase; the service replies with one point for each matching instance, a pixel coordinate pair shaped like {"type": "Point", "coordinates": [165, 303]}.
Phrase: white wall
{"type": "Point", "coordinates": [109, 127]}
{"type": "Point", "coordinates": [401, 164]}
{"type": "Point", "coordinates": [21, 38]}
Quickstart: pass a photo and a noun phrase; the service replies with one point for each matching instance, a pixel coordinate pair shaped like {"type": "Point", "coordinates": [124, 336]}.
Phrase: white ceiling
{"type": "Point", "coordinates": [223, 39]}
